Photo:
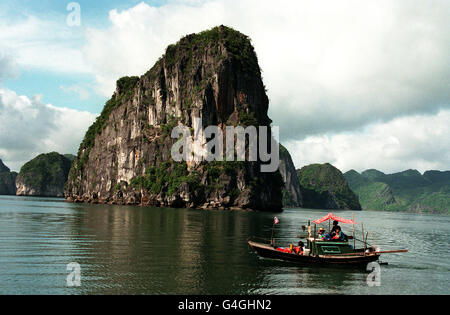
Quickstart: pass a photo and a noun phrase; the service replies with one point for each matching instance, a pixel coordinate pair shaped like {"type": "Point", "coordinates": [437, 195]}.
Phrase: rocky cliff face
{"type": "Point", "coordinates": [43, 176]}
{"type": "Point", "coordinates": [292, 195]}
{"type": "Point", "coordinates": [7, 180]}
{"type": "Point", "coordinates": [324, 186]}
{"type": "Point", "coordinates": [125, 157]}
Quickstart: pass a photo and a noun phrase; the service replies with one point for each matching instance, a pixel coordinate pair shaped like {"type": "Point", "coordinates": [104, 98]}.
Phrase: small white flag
{"type": "Point", "coordinates": [275, 220]}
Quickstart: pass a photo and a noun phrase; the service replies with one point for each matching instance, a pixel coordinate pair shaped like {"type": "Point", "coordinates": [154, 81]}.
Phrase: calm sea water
{"type": "Point", "coordinates": [137, 250]}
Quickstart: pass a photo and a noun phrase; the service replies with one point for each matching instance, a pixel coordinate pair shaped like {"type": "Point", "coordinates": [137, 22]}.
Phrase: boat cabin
{"type": "Point", "coordinates": [320, 247]}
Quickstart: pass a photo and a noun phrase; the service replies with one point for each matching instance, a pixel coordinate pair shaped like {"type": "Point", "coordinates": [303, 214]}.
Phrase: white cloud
{"type": "Point", "coordinates": [328, 65]}
{"type": "Point", "coordinates": [46, 43]}
{"type": "Point", "coordinates": [29, 127]}
{"type": "Point", "coordinates": [419, 142]}
{"type": "Point", "coordinates": [82, 92]}
{"type": "Point", "coordinates": [8, 67]}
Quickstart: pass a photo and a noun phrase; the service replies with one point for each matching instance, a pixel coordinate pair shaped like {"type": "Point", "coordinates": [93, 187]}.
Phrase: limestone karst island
{"type": "Point", "coordinates": [125, 157]}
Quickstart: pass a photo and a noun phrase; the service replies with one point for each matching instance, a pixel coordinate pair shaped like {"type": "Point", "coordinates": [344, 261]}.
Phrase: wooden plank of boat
{"type": "Point", "coordinates": [347, 255]}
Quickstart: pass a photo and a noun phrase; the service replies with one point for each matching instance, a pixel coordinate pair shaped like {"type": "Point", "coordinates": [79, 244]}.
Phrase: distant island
{"type": "Point", "coordinates": [43, 176]}
{"type": "Point", "coordinates": [316, 186]}
{"type": "Point", "coordinates": [324, 187]}
{"type": "Point", "coordinates": [403, 191]}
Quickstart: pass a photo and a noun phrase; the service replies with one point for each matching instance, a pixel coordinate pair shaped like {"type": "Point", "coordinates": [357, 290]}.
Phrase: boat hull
{"type": "Point", "coordinates": [268, 251]}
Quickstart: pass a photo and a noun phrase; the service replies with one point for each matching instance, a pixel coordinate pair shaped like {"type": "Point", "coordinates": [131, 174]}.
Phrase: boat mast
{"type": "Point", "coordinates": [314, 240]}
{"type": "Point", "coordinates": [354, 240]}
{"type": "Point", "coordinates": [364, 241]}
{"type": "Point", "coordinates": [367, 234]}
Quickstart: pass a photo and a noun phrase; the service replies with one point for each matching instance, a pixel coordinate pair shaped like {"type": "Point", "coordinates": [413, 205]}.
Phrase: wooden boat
{"type": "Point", "coordinates": [321, 252]}
{"type": "Point", "coordinates": [354, 258]}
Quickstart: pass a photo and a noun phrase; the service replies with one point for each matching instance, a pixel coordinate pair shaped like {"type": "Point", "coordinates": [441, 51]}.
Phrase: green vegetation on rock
{"type": "Point", "coordinates": [236, 43]}
{"type": "Point", "coordinates": [70, 157]}
{"type": "Point", "coordinates": [324, 186]}
{"type": "Point", "coordinates": [403, 191]}
{"type": "Point", "coordinates": [168, 175]}
{"type": "Point", "coordinates": [46, 174]}
{"type": "Point", "coordinates": [125, 88]}
{"type": "Point", "coordinates": [287, 198]}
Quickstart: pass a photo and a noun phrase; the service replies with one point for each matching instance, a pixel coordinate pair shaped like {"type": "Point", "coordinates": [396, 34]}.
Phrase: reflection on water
{"type": "Point", "coordinates": [141, 250]}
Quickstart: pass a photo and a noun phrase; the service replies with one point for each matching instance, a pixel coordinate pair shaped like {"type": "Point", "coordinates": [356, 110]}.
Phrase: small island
{"type": "Point", "coordinates": [324, 187]}
{"type": "Point", "coordinates": [43, 176]}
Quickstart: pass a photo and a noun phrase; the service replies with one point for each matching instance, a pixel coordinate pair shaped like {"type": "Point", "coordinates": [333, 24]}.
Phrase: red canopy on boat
{"type": "Point", "coordinates": [333, 217]}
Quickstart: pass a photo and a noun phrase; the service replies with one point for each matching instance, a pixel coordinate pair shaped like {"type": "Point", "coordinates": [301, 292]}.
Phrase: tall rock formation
{"type": "Point", "coordinates": [125, 157]}
{"type": "Point", "coordinates": [7, 180]}
{"type": "Point", "coordinates": [324, 186]}
{"type": "Point", "coordinates": [44, 176]}
{"type": "Point", "coordinates": [292, 195]}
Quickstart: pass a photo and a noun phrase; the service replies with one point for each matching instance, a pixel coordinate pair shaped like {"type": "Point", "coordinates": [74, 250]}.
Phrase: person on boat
{"type": "Point", "coordinates": [321, 235]}
{"type": "Point", "coordinates": [335, 233]}
{"type": "Point", "coordinates": [284, 249]}
{"type": "Point", "coordinates": [335, 227]}
{"type": "Point", "coordinates": [299, 249]}
{"type": "Point", "coordinates": [339, 235]}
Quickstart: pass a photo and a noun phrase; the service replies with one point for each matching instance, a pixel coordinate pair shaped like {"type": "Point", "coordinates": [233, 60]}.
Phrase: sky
{"type": "Point", "coordinates": [358, 84]}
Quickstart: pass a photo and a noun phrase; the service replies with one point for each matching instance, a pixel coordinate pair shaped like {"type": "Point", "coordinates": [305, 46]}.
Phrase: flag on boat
{"type": "Point", "coordinates": [275, 220]}
{"type": "Point", "coordinates": [333, 217]}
